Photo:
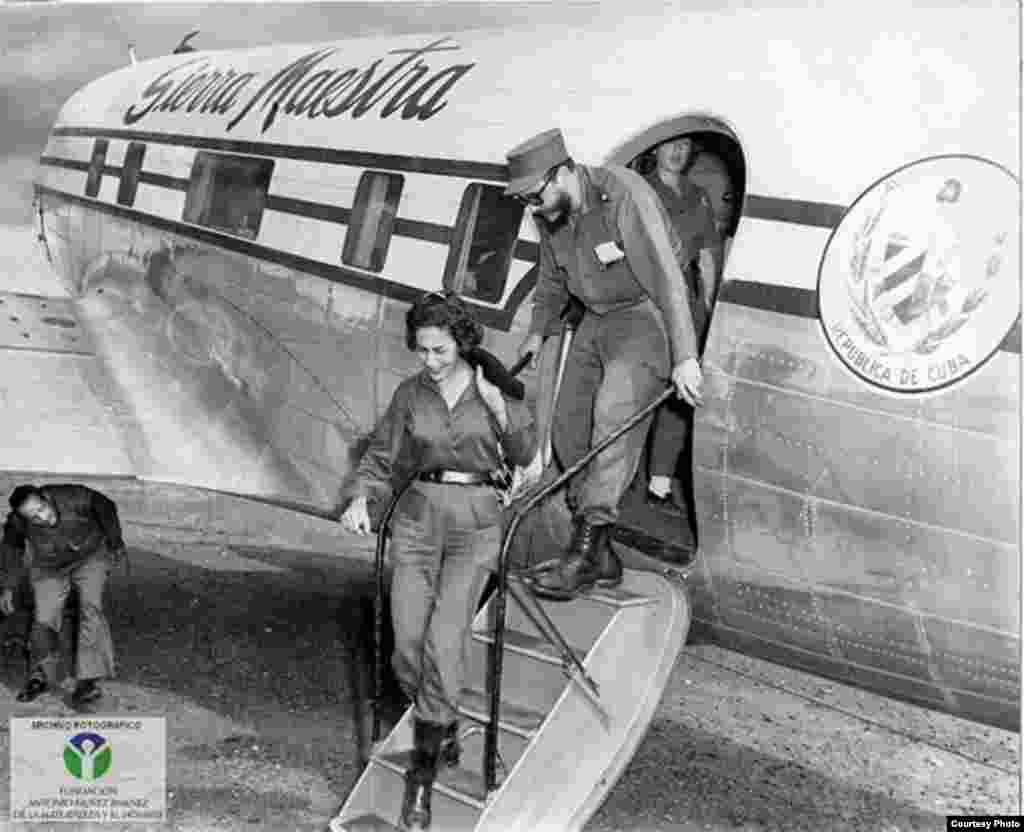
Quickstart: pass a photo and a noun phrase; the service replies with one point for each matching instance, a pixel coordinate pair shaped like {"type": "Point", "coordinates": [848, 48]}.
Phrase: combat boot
{"type": "Point", "coordinates": [419, 780]}
{"type": "Point", "coordinates": [35, 686]}
{"type": "Point", "coordinates": [590, 561]}
{"type": "Point", "coordinates": [609, 565]}
{"type": "Point", "coordinates": [451, 748]}
{"type": "Point", "coordinates": [86, 691]}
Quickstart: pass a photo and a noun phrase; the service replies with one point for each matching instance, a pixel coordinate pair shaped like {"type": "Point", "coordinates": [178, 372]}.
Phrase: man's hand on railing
{"type": "Point", "coordinates": [525, 478]}
{"type": "Point", "coordinates": [687, 379]}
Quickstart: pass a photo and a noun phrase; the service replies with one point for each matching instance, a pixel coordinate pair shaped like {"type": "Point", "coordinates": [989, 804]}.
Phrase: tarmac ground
{"type": "Point", "coordinates": [258, 658]}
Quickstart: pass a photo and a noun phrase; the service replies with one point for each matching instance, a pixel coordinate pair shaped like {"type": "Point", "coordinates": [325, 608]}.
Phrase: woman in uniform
{"type": "Point", "coordinates": [455, 428]}
{"type": "Point", "coordinates": [690, 212]}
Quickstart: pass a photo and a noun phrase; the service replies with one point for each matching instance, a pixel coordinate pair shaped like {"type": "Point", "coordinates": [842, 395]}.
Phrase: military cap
{"type": "Point", "coordinates": [529, 161]}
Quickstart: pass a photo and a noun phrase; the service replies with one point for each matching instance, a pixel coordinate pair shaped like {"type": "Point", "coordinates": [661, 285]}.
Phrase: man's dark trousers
{"type": "Point", "coordinates": [618, 363]}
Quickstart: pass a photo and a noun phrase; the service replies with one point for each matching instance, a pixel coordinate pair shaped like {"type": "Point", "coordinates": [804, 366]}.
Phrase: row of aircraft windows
{"type": "Point", "coordinates": [229, 193]}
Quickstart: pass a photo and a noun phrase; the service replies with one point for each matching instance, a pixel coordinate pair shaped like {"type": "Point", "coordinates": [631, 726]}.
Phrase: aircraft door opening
{"type": "Point", "coordinates": [696, 165]}
{"type": "Point", "coordinates": [715, 164]}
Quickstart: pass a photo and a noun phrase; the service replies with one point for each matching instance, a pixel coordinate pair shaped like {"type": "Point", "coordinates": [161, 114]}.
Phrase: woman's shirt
{"type": "Point", "coordinates": [419, 432]}
{"type": "Point", "coordinates": [694, 221]}
{"type": "Point", "coordinates": [690, 211]}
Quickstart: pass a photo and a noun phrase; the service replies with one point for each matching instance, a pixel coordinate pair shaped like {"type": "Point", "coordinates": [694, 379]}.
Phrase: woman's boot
{"type": "Point", "coordinates": [419, 780]}
{"type": "Point", "coordinates": [451, 748]}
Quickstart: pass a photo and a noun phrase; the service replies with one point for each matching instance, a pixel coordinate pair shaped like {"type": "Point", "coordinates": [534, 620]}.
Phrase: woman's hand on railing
{"type": "Point", "coordinates": [356, 518]}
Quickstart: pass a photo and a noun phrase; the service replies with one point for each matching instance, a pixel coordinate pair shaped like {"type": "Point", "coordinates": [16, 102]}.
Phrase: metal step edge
{"type": "Point", "coordinates": [615, 597]}
{"type": "Point", "coordinates": [439, 786]}
{"type": "Point", "coordinates": [367, 821]}
{"type": "Point", "coordinates": [543, 651]}
{"type": "Point", "coordinates": [483, 718]}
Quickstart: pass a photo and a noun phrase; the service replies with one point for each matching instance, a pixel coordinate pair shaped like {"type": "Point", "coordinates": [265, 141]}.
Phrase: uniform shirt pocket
{"type": "Point", "coordinates": [600, 239]}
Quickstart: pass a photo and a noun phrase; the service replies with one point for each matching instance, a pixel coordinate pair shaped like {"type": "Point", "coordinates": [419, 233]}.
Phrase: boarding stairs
{"type": "Point", "coordinates": [558, 697]}
{"type": "Point", "coordinates": [560, 746]}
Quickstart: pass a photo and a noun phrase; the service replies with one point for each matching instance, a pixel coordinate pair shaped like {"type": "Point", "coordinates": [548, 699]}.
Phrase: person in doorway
{"type": "Point", "coordinates": [70, 534]}
{"type": "Point", "coordinates": [454, 427]}
{"type": "Point", "coordinates": [690, 211]}
{"type": "Point", "coordinates": [605, 240]}
{"type": "Point", "coordinates": [710, 172]}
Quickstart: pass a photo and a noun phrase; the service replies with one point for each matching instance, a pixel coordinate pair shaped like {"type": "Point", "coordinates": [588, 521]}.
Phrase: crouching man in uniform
{"type": "Point", "coordinates": [71, 534]}
{"type": "Point", "coordinates": [606, 241]}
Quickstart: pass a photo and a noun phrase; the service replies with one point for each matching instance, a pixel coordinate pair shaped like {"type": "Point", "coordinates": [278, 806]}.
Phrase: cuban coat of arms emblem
{"type": "Point", "coordinates": [919, 283]}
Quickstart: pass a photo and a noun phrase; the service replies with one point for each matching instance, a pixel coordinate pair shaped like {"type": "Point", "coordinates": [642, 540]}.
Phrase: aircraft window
{"type": "Point", "coordinates": [99, 158]}
{"type": "Point", "coordinates": [130, 173]}
{"type": "Point", "coordinates": [485, 237]}
{"type": "Point", "coordinates": [372, 220]}
{"type": "Point", "coordinates": [228, 192]}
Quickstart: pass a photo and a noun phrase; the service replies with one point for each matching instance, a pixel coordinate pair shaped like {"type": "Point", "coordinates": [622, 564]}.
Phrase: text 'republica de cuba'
{"type": "Point", "coordinates": [410, 86]}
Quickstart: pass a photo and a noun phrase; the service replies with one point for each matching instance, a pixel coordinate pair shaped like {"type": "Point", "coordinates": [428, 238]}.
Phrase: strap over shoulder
{"type": "Point", "coordinates": [496, 372]}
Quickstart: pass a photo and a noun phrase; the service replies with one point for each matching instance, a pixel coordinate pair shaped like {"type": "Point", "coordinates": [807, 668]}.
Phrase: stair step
{"type": "Point", "coordinates": [380, 791]}
{"type": "Point", "coordinates": [580, 622]}
{"type": "Point", "coordinates": [614, 596]}
{"type": "Point", "coordinates": [530, 680]}
{"type": "Point", "coordinates": [458, 783]}
{"type": "Point", "coordinates": [527, 645]}
{"type": "Point", "coordinates": [515, 719]}
{"type": "Point", "coordinates": [363, 823]}
{"type": "Point", "coordinates": [618, 597]}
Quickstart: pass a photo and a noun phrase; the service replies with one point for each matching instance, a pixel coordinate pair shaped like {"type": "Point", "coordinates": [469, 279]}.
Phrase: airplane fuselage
{"type": "Point", "coordinates": [243, 231]}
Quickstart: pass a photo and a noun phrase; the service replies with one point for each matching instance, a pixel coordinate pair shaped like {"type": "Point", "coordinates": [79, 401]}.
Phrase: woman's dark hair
{"type": "Point", "coordinates": [21, 494]}
{"type": "Point", "coordinates": [445, 310]}
{"type": "Point", "coordinates": [647, 161]}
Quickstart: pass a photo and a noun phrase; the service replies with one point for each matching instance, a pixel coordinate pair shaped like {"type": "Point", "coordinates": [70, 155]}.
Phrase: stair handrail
{"type": "Point", "coordinates": [498, 643]}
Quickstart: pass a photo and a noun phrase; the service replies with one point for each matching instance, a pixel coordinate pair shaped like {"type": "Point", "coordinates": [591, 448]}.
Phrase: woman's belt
{"type": "Point", "coordinates": [456, 477]}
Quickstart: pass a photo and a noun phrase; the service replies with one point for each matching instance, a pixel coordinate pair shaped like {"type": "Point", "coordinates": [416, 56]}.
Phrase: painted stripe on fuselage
{"type": "Point", "coordinates": [173, 183]}
{"type": "Point", "coordinates": [328, 271]}
{"type": "Point", "coordinates": [302, 208]}
{"type": "Point", "coordinates": [796, 211]}
{"type": "Point", "coordinates": [776, 209]}
{"type": "Point", "coordinates": [803, 303]}
{"type": "Point", "coordinates": [786, 300]}
{"type": "Point", "coordinates": [69, 164]}
{"type": "Point", "coordinates": [459, 168]}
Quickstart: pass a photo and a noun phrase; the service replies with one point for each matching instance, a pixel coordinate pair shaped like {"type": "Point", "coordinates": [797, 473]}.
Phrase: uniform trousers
{"type": "Point", "coordinates": [673, 429]}
{"type": "Point", "coordinates": [673, 422]}
{"type": "Point", "coordinates": [445, 541]}
{"type": "Point", "coordinates": [94, 655]}
{"type": "Point", "coordinates": [618, 362]}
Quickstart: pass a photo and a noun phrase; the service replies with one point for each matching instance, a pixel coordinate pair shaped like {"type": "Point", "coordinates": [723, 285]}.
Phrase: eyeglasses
{"type": "Point", "coordinates": [536, 197]}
